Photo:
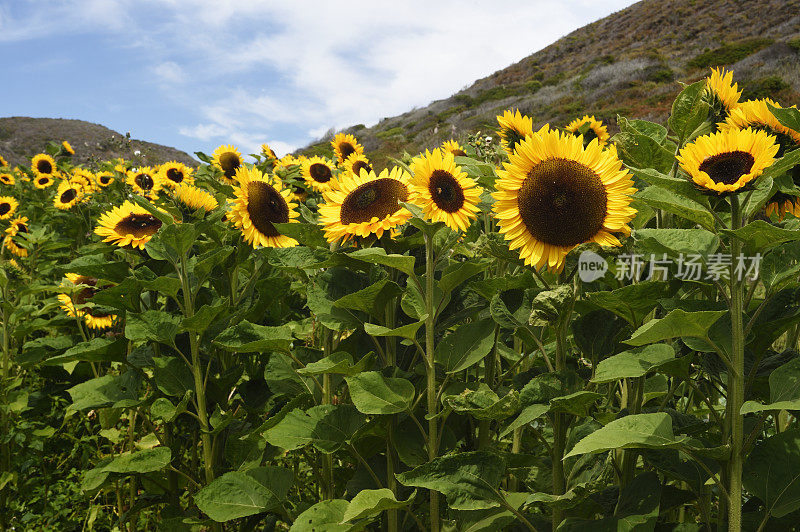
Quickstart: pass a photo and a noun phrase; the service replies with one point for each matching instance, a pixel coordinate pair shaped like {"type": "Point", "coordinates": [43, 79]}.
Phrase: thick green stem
{"type": "Point", "coordinates": [559, 434]}
{"type": "Point", "coordinates": [433, 424]}
{"type": "Point", "coordinates": [327, 399]}
{"type": "Point", "coordinates": [489, 364]}
{"type": "Point", "coordinates": [736, 380]}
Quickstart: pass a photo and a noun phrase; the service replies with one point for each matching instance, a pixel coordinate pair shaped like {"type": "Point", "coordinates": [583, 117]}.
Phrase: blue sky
{"type": "Point", "coordinates": [195, 74]}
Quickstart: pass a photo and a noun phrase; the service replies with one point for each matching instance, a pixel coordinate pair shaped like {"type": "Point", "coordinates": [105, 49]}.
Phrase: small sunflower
{"type": "Point", "coordinates": [594, 130]}
{"type": "Point", "coordinates": [67, 147]}
{"type": "Point", "coordinates": [194, 198]}
{"type": "Point", "coordinates": [721, 92]}
{"type": "Point", "coordinates": [146, 181]}
{"type": "Point", "coordinates": [454, 147]}
{"type": "Point", "coordinates": [344, 145]}
{"type": "Point", "coordinates": [285, 163]}
{"type": "Point", "coordinates": [3, 162]}
{"type": "Point", "coordinates": [756, 114]}
{"type": "Point", "coordinates": [84, 179]}
{"type": "Point", "coordinates": [260, 202]}
{"type": "Point", "coordinates": [7, 179]}
{"type": "Point", "coordinates": [365, 204]}
{"type": "Point", "coordinates": [67, 195]}
{"type": "Point", "coordinates": [443, 190]}
{"type": "Point", "coordinates": [43, 164]}
{"type": "Point", "coordinates": [556, 194]}
{"type": "Point", "coordinates": [43, 181]}
{"type": "Point", "coordinates": [7, 207]}
{"type": "Point", "coordinates": [127, 225]}
{"type": "Point", "coordinates": [174, 173]}
{"type": "Point", "coordinates": [357, 162]}
{"type": "Point", "coordinates": [317, 172]}
{"type": "Point", "coordinates": [782, 204]}
{"type": "Point", "coordinates": [514, 127]}
{"type": "Point", "coordinates": [74, 301]}
{"type": "Point", "coordinates": [727, 161]}
{"type": "Point", "coordinates": [267, 152]}
{"type": "Point", "coordinates": [228, 159]}
{"type": "Point", "coordinates": [104, 179]}
{"type": "Point", "coordinates": [18, 226]}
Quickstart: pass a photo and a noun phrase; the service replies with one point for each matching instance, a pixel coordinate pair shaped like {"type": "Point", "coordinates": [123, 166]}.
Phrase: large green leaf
{"type": "Point", "coordinates": [484, 403]}
{"type": "Point", "coordinates": [465, 346]}
{"type": "Point", "coordinates": [676, 242]}
{"type": "Point", "coordinates": [241, 493]}
{"type": "Point", "coordinates": [677, 323]}
{"type": "Point", "coordinates": [679, 186]}
{"type": "Point", "coordinates": [405, 331]}
{"type": "Point", "coordinates": [310, 235]}
{"type": "Point", "coordinates": [369, 503]}
{"type": "Point", "coordinates": [528, 414]}
{"type": "Point", "coordinates": [340, 363]}
{"type": "Point", "coordinates": [152, 325]}
{"type": "Point", "coordinates": [689, 110]}
{"type": "Point", "coordinates": [633, 363]}
{"type": "Point", "coordinates": [97, 266]}
{"type": "Point", "coordinates": [453, 276]}
{"type": "Point", "coordinates": [577, 404]}
{"type": "Point", "coordinates": [404, 263]}
{"type": "Point", "coordinates": [772, 472]}
{"type": "Point", "coordinates": [660, 198]}
{"type": "Point", "coordinates": [784, 390]}
{"type": "Point", "coordinates": [632, 302]}
{"type": "Point", "coordinates": [325, 516]}
{"type": "Point", "coordinates": [173, 377]}
{"type": "Point", "coordinates": [144, 461]}
{"type": "Point", "coordinates": [326, 427]}
{"type": "Point", "coordinates": [95, 350]}
{"type": "Point", "coordinates": [651, 431]}
{"type": "Point", "coordinates": [246, 337]}
{"type": "Point", "coordinates": [107, 390]}
{"type": "Point", "coordinates": [371, 299]}
{"type": "Point", "coordinates": [372, 393]}
{"type": "Point", "coordinates": [760, 235]}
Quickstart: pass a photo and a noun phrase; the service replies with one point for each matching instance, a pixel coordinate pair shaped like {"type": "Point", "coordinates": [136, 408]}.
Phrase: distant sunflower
{"type": "Point", "coordinates": [7, 207]}
{"type": "Point", "coordinates": [127, 225]}
{"type": "Point", "coordinates": [317, 172]}
{"type": "Point", "coordinates": [7, 179]}
{"type": "Point", "coordinates": [727, 161]}
{"type": "Point", "coordinates": [67, 195]}
{"type": "Point", "coordinates": [344, 145]}
{"type": "Point", "coordinates": [260, 202]}
{"type": "Point", "coordinates": [782, 204]}
{"type": "Point", "coordinates": [174, 173]}
{"type": "Point", "coordinates": [43, 164]}
{"type": "Point", "coordinates": [721, 93]}
{"type": "Point", "coordinates": [3, 162]}
{"type": "Point", "coordinates": [555, 194]}
{"type": "Point", "coordinates": [43, 181]}
{"type": "Point", "coordinates": [365, 204]}
{"type": "Point", "coordinates": [122, 168]}
{"type": "Point", "coordinates": [443, 190]}
{"type": "Point", "coordinates": [85, 179]}
{"type": "Point", "coordinates": [18, 226]}
{"type": "Point", "coordinates": [756, 114]}
{"type": "Point", "coordinates": [285, 163]}
{"type": "Point", "coordinates": [228, 159]}
{"type": "Point", "coordinates": [454, 147]}
{"type": "Point", "coordinates": [67, 147]}
{"type": "Point", "coordinates": [146, 181]}
{"type": "Point", "coordinates": [74, 302]}
{"type": "Point", "coordinates": [514, 127]}
{"type": "Point", "coordinates": [595, 129]}
{"type": "Point", "coordinates": [267, 152]}
{"type": "Point", "coordinates": [194, 198]}
{"type": "Point", "coordinates": [357, 162]}
{"type": "Point", "coordinates": [104, 178]}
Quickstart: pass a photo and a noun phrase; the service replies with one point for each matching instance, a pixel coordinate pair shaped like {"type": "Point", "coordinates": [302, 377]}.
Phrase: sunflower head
{"type": "Point", "coordinates": [8, 206]}
{"type": "Point", "coordinates": [84, 179]}
{"type": "Point", "coordinates": [757, 115]}
{"type": "Point", "coordinates": [174, 174]}
{"type": "Point", "coordinates": [260, 202]}
{"type": "Point", "coordinates": [194, 199]}
{"type": "Point", "coordinates": [267, 152]}
{"type": "Point", "coordinates": [75, 298]}
{"type": "Point", "coordinates": [318, 172]}
{"type": "Point", "coordinates": [344, 145]}
{"type": "Point", "coordinates": [590, 128]}
{"type": "Point", "coordinates": [451, 146]}
{"type": "Point", "coordinates": [104, 179]}
{"type": "Point", "coordinates": [3, 162]}
{"type": "Point", "coordinates": [228, 159]}
{"type": "Point", "coordinates": [721, 93]}
{"type": "Point", "coordinates": [556, 194]}
{"type": "Point", "coordinates": [67, 148]}
{"type": "Point", "coordinates": [43, 181]}
{"type": "Point", "coordinates": [514, 127]}
{"type": "Point", "coordinates": [357, 162]}
{"type": "Point", "coordinates": [67, 195]}
{"type": "Point", "coordinates": [782, 204]}
{"type": "Point", "coordinates": [43, 164]}
{"type": "Point", "coordinates": [128, 225]}
{"type": "Point", "coordinates": [285, 163]}
{"type": "Point", "coordinates": [365, 204]}
{"type": "Point", "coordinates": [728, 161]}
{"type": "Point", "coordinates": [6, 178]}
{"type": "Point", "coordinates": [18, 226]}
{"type": "Point", "coordinates": [146, 181]}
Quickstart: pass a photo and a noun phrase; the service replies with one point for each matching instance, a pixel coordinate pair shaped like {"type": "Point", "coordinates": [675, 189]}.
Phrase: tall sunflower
{"type": "Point", "coordinates": [594, 129]}
{"type": "Point", "coordinates": [555, 194]}
{"type": "Point", "coordinates": [228, 159]}
{"type": "Point", "coordinates": [18, 226]}
{"type": "Point", "coordinates": [443, 190]}
{"type": "Point", "coordinates": [267, 152]}
{"type": "Point", "coordinates": [78, 291]}
{"type": "Point", "coordinates": [756, 114]}
{"type": "Point", "coordinates": [7, 179]}
{"type": "Point", "coordinates": [104, 179]}
{"type": "Point", "coordinates": [365, 204]}
{"type": "Point", "coordinates": [260, 202]}
{"type": "Point", "coordinates": [721, 93]}
{"type": "Point", "coordinates": [67, 195]}
{"type": "Point", "coordinates": [146, 181]}
{"type": "Point", "coordinates": [451, 146]}
{"type": "Point", "coordinates": [127, 225]}
{"type": "Point", "coordinates": [85, 179]}
{"type": "Point", "coordinates": [345, 144]}
{"type": "Point", "coordinates": [43, 164]}
{"type": "Point", "coordinates": [67, 147]}
{"type": "Point", "coordinates": [194, 198]}
{"type": "Point", "coordinates": [357, 162]}
{"type": "Point", "coordinates": [514, 127]}
{"type": "Point", "coordinates": [174, 173]}
{"type": "Point", "coordinates": [3, 162]}
{"type": "Point", "coordinates": [43, 181]}
{"type": "Point", "coordinates": [727, 161]}
{"type": "Point", "coordinates": [7, 207]}
{"type": "Point", "coordinates": [317, 172]}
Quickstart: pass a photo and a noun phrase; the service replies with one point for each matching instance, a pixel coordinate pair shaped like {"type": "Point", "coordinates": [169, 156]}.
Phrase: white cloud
{"type": "Point", "coordinates": [204, 132]}
{"type": "Point", "coordinates": [169, 72]}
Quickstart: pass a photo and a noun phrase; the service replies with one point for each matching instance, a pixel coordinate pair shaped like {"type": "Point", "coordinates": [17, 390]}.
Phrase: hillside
{"type": "Point", "coordinates": [22, 137]}
{"type": "Point", "coordinates": [628, 63]}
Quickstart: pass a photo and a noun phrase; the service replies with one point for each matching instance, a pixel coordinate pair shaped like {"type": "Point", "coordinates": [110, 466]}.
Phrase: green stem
{"type": "Point", "coordinates": [327, 399]}
{"type": "Point", "coordinates": [489, 364]}
{"type": "Point", "coordinates": [433, 427]}
{"type": "Point", "coordinates": [559, 434]}
{"type": "Point", "coordinates": [736, 380]}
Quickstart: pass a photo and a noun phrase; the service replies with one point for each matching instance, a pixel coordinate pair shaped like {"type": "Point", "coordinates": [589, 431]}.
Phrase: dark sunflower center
{"type": "Point", "coordinates": [104, 179]}
{"type": "Point", "coordinates": [144, 181]}
{"type": "Point", "coordinates": [43, 180]}
{"type": "Point", "coordinates": [347, 149]}
{"type": "Point", "coordinates": [44, 167]}
{"type": "Point", "coordinates": [562, 202]}
{"type": "Point", "coordinates": [4, 208]}
{"type": "Point", "coordinates": [361, 165]}
{"type": "Point", "coordinates": [138, 225]}
{"type": "Point", "coordinates": [174, 175]}
{"type": "Point", "coordinates": [445, 191]}
{"type": "Point", "coordinates": [458, 153]}
{"type": "Point", "coordinates": [68, 195]}
{"type": "Point", "coordinates": [589, 136]}
{"type": "Point", "coordinates": [320, 173]}
{"type": "Point", "coordinates": [229, 162]}
{"type": "Point", "coordinates": [266, 206]}
{"type": "Point", "coordinates": [22, 228]}
{"type": "Point", "coordinates": [513, 137]}
{"type": "Point", "coordinates": [727, 167]}
{"type": "Point", "coordinates": [377, 199]}
{"type": "Point", "coordinates": [87, 293]}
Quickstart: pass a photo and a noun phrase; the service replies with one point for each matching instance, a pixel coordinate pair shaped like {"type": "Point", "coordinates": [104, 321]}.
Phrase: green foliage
{"type": "Point", "coordinates": [729, 53]}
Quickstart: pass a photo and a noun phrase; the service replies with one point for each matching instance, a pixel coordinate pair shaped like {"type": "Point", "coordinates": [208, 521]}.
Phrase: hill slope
{"type": "Point", "coordinates": [22, 137]}
{"type": "Point", "coordinates": [628, 63]}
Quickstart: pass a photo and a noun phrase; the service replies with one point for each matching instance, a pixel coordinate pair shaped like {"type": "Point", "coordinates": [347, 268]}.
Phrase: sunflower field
{"type": "Point", "coordinates": [526, 329]}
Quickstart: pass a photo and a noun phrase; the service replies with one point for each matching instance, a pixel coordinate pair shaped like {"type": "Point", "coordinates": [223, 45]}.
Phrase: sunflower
{"type": "Point", "coordinates": [267, 152]}
{"type": "Point", "coordinates": [194, 198]}
{"type": "Point", "coordinates": [721, 93]}
{"type": "Point", "coordinates": [782, 204]}
{"type": "Point", "coordinates": [514, 127]}
{"type": "Point", "coordinates": [555, 194]}
{"type": "Point", "coordinates": [7, 179]}
{"type": "Point", "coordinates": [104, 179]}
{"type": "Point", "coordinates": [228, 159]}
{"type": "Point", "coordinates": [3, 162]}
{"type": "Point", "coordinates": [18, 225]}
{"type": "Point", "coordinates": [443, 190]}
{"type": "Point", "coordinates": [317, 172]}
{"type": "Point", "coordinates": [83, 289]}
{"type": "Point", "coordinates": [128, 224]}
{"type": "Point", "coordinates": [594, 129]}
{"type": "Point", "coordinates": [174, 173]}
{"type": "Point", "coordinates": [84, 179]}
{"type": "Point", "coordinates": [260, 202]}
{"type": "Point", "coordinates": [285, 163]}
{"type": "Point", "coordinates": [344, 145]}
{"type": "Point", "coordinates": [146, 181]}
{"type": "Point", "coordinates": [727, 161]}
{"type": "Point", "coordinates": [43, 181]}
{"type": "Point", "coordinates": [365, 204]}
{"type": "Point", "coordinates": [7, 207]}
{"type": "Point", "coordinates": [67, 147]}
{"type": "Point", "coordinates": [67, 195]}
{"type": "Point", "coordinates": [357, 162]}
{"type": "Point", "coordinates": [756, 114]}
{"type": "Point", "coordinates": [454, 147]}
{"type": "Point", "coordinates": [43, 164]}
